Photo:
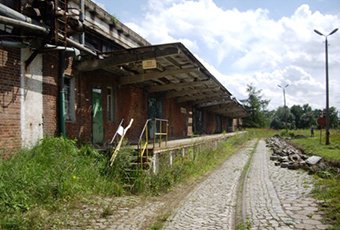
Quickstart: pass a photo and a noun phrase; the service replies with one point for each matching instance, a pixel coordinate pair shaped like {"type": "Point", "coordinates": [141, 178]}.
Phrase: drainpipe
{"type": "Point", "coordinates": [61, 101]}
{"type": "Point", "coordinates": [81, 19]}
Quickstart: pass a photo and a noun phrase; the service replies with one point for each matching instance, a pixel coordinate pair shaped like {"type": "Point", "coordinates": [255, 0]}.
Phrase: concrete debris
{"type": "Point", "coordinates": [287, 156]}
{"type": "Point", "coordinates": [313, 160]}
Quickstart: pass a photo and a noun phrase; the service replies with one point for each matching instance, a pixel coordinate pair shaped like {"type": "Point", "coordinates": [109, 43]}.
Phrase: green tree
{"type": "Point", "coordinates": [281, 116]}
{"type": "Point", "coordinates": [333, 117]}
{"type": "Point", "coordinates": [256, 107]}
{"type": "Point", "coordinates": [297, 111]}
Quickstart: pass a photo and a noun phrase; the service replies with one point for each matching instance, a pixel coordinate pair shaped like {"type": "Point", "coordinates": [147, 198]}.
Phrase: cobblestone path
{"type": "Point", "coordinates": [212, 204]}
{"type": "Point", "coordinates": [278, 198]}
{"type": "Point", "coordinates": [273, 198]}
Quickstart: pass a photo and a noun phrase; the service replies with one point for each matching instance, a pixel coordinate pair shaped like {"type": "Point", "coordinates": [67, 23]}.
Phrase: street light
{"type": "Point", "coordinates": [327, 97]}
{"type": "Point", "coordinates": [284, 103]}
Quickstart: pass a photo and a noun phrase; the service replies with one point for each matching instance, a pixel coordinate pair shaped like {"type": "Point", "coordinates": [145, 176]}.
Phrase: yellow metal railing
{"type": "Point", "coordinates": [160, 129]}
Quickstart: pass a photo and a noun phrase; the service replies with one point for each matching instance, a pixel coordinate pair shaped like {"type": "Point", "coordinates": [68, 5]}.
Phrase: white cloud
{"type": "Point", "coordinates": [243, 47]}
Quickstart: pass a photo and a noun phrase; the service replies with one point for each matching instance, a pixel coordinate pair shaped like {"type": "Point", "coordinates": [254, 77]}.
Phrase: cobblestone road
{"type": "Point", "coordinates": [212, 204]}
{"type": "Point", "coordinates": [277, 198]}
{"type": "Point", "coordinates": [273, 198]}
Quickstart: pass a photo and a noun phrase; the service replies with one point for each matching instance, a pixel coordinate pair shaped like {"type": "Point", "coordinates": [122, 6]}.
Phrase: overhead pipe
{"type": "Point", "coordinates": [19, 20]}
{"type": "Point", "coordinates": [66, 49]}
{"type": "Point", "coordinates": [29, 26]}
{"type": "Point", "coordinates": [78, 45]}
{"type": "Point", "coordinates": [5, 10]}
{"type": "Point", "coordinates": [23, 25]}
{"type": "Point", "coordinates": [13, 44]}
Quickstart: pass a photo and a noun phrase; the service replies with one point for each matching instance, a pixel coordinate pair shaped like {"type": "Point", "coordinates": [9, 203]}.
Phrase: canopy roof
{"type": "Point", "coordinates": [174, 72]}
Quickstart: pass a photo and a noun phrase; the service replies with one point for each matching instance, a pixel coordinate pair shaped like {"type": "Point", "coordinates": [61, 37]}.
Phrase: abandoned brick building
{"type": "Point", "coordinates": [70, 68]}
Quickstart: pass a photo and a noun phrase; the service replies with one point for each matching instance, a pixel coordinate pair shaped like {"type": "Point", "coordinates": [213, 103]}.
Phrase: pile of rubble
{"type": "Point", "coordinates": [287, 156]}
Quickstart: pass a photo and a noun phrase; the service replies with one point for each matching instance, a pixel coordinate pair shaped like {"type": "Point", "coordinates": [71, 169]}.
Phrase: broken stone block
{"type": "Point", "coordinates": [294, 157]}
{"type": "Point", "coordinates": [284, 164]}
{"type": "Point", "coordinates": [274, 158]}
{"type": "Point", "coordinates": [293, 165]}
{"type": "Point", "coordinates": [313, 160]}
{"type": "Point", "coordinates": [283, 159]}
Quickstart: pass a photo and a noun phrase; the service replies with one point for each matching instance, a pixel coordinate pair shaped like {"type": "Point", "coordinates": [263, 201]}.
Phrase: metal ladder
{"type": "Point", "coordinates": [61, 10]}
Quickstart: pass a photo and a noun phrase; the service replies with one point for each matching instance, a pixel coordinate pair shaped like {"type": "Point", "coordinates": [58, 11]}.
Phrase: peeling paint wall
{"type": "Point", "coordinates": [31, 100]}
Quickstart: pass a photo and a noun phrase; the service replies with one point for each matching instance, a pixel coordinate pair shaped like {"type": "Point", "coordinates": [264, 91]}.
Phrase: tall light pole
{"type": "Point", "coordinates": [284, 102]}
{"type": "Point", "coordinates": [327, 96]}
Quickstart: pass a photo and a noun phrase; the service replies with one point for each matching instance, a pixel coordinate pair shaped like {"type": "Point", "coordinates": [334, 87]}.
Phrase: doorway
{"type": "Point", "coordinates": [97, 116]}
{"type": "Point", "coordinates": [154, 111]}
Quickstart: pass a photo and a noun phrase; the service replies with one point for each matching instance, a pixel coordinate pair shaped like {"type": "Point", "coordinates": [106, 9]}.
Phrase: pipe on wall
{"type": "Point", "coordinates": [23, 25]}
{"type": "Point", "coordinates": [81, 19]}
{"type": "Point", "coordinates": [13, 44]}
{"type": "Point", "coordinates": [5, 10]}
{"type": "Point", "coordinates": [61, 101]}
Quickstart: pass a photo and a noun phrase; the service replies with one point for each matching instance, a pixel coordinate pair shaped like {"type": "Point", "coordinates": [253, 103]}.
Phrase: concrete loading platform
{"type": "Point", "coordinates": [163, 154]}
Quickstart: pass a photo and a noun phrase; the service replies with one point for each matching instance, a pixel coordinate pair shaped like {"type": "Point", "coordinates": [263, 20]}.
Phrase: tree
{"type": "Point", "coordinates": [256, 107]}
{"type": "Point", "coordinates": [279, 119]}
{"type": "Point", "coordinates": [297, 111]}
{"type": "Point", "coordinates": [333, 118]}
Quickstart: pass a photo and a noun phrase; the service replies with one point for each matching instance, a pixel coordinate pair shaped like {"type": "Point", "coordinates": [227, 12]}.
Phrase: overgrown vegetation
{"type": "Point", "coordinates": [328, 181]}
{"type": "Point", "coordinates": [36, 183]}
{"type": "Point", "coordinates": [316, 145]}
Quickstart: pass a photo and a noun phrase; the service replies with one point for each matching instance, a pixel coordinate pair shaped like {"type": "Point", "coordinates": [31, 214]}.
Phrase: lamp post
{"type": "Point", "coordinates": [284, 102]}
{"type": "Point", "coordinates": [327, 96]}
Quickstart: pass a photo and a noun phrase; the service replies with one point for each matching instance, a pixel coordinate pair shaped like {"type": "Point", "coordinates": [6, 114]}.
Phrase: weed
{"type": "Point", "coordinates": [246, 225]}
{"type": "Point", "coordinates": [33, 182]}
{"type": "Point", "coordinates": [106, 212]}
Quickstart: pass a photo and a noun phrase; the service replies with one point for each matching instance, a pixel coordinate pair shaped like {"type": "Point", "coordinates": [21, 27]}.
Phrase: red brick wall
{"type": "Point", "coordinates": [10, 132]}
{"type": "Point", "coordinates": [210, 123]}
{"type": "Point", "coordinates": [130, 102]}
{"type": "Point", "coordinates": [50, 93]}
{"type": "Point", "coordinates": [177, 119]}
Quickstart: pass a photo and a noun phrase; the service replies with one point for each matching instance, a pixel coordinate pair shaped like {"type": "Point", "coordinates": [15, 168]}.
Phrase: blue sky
{"type": "Point", "coordinates": [259, 42]}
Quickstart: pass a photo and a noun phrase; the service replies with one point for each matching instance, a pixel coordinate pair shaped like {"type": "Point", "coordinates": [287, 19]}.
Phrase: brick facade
{"type": "Point", "coordinates": [130, 102]}
{"type": "Point", "coordinates": [50, 92]}
{"type": "Point", "coordinates": [10, 135]}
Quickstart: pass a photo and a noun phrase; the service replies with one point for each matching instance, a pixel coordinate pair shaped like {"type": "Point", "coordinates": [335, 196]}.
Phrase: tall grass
{"type": "Point", "coordinates": [53, 171]}
{"type": "Point", "coordinates": [36, 183]}
{"type": "Point", "coordinates": [195, 163]}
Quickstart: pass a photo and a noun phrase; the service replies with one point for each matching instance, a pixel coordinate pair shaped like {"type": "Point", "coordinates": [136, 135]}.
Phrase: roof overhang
{"type": "Point", "coordinates": [175, 73]}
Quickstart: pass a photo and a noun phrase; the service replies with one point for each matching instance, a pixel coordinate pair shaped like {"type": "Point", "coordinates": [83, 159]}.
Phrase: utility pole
{"type": "Point", "coordinates": [327, 90]}
{"type": "Point", "coordinates": [284, 103]}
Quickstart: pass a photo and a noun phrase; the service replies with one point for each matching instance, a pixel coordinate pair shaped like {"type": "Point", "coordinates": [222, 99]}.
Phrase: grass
{"type": "Point", "coordinates": [196, 163]}
{"type": "Point", "coordinates": [312, 145]}
{"type": "Point", "coordinates": [35, 182]}
{"type": "Point", "coordinates": [327, 187]}
{"type": "Point", "coordinates": [38, 185]}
